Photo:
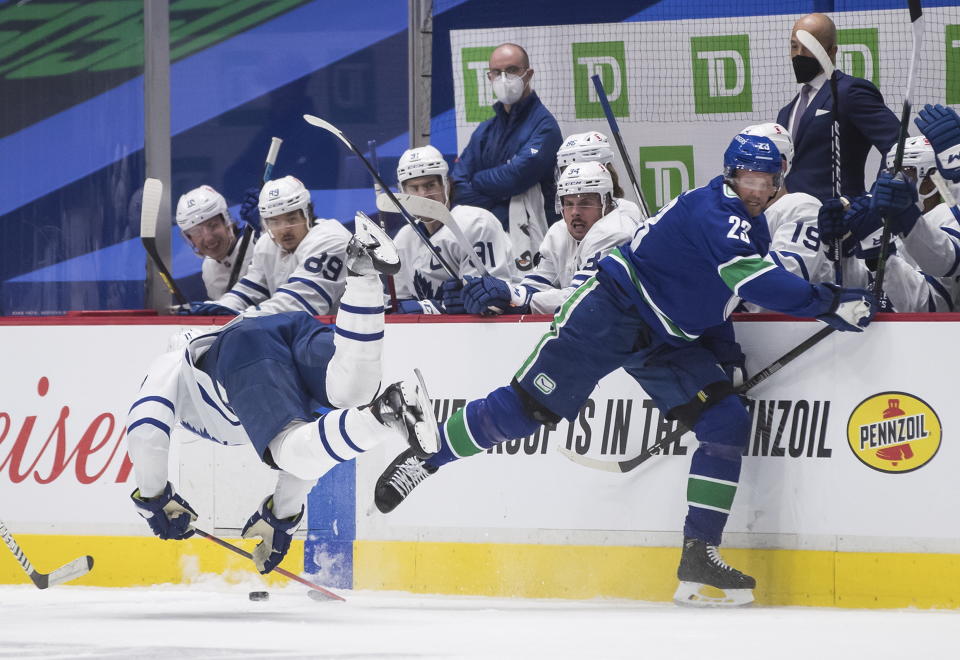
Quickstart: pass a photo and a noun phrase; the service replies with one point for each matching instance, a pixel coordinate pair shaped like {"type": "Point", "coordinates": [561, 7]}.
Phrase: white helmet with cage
{"type": "Point", "coordinates": [581, 178]}
{"type": "Point", "coordinates": [423, 161]}
{"type": "Point", "coordinates": [585, 147]}
{"type": "Point", "coordinates": [778, 135]}
{"type": "Point", "coordinates": [917, 153]}
{"type": "Point", "coordinates": [283, 196]}
{"type": "Point", "coordinates": [199, 205]}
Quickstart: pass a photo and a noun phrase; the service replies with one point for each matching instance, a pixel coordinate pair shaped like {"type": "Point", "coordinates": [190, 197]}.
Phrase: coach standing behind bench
{"type": "Point", "coordinates": [864, 119]}
{"type": "Point", "coordinates": [507, 167]}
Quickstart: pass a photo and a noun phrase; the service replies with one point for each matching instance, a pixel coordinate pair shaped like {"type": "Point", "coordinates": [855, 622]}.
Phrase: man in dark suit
{"type": "Point", "coordinates": [864, 119]}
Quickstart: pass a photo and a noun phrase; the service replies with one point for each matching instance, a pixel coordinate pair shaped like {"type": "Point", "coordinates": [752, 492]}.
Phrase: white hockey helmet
{"type": "Point", "coordinates": [585, 147]}
{"type": "Point", "coordinates": [199, 205]}
{"type": "Point", "coordinates": [581, 178]}
{"type": "Point", "coordinates": [423, 161]}
{"type": "Point", "coordinates": [778, 135]}
{"type": "Point", "coordinates": [282, 196]}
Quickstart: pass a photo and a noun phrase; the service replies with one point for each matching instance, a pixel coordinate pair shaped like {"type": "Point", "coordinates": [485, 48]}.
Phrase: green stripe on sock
{"type": "Point", "coordinates": [710, 493]}
{"type": "Point", "coordinates": [460, 441]}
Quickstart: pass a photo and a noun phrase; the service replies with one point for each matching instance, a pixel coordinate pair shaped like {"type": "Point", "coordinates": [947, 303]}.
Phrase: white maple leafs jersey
{"type": "Point", "coordinates": [565, 263]}
{"type": "Point", "coordinates": [310, 279]}
{"type": "Point", "coordinates": [421, 274]}
{"type": "Point", "coordinates": [216, 274]}
{"type": "Point", "coordinates": [795, 237]}
{"type": "Point", "coordinates": [628, 207]}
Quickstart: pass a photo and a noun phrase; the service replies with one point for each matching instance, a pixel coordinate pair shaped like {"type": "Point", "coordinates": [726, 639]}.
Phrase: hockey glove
{"type": "Point", "coordinates": [941, 126]}
{"type": "Point", "coordinates": [168, 514]}
{"type": "Point", "coordinates": [276, 535]}
{"type": "Point", "coordinates": [851, 310]}
{"type": "Point", "coordinates": [250, 208]}
{"type": "Point", "coordinates": [206, 309]}
{"type": "Point", "coordinates": [896, 198]}
{"type": "Point", "coordinates": [830, 221]}
{"type": "Point", "coordinates": [483, 295]}
{"type": "Point", "coordinates": [451, 297]}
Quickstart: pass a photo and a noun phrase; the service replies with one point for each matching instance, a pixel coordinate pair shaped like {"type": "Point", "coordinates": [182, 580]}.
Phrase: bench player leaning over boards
{"type": "Point", "coordinates": [658, 307]}
{"type": "Point", "coordinates": [299, 266]}
{"type": "Point", "coordinates": [258, 380]}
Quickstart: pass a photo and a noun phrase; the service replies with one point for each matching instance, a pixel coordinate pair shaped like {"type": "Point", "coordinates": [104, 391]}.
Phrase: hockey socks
{"type": "Point", "coordinates": [354, 372]}
{"type": "Point", "coordinates": [722, 430]}
{"type": "Point", "coordinates": [482, 424]}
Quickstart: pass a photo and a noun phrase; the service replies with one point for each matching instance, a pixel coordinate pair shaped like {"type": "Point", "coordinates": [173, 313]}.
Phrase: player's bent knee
{"type": "Point", "coordinates": [724, 428]}
{"type": "Point", "coordinates": [533, 408]}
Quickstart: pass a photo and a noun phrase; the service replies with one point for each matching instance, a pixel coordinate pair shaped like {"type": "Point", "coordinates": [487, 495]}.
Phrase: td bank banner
{"type": "Point", "coordinates": [680, 89]}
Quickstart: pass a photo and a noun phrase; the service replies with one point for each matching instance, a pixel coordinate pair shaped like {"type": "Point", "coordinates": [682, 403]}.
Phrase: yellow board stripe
{"type": "Point", "coordinates": [784, 577]}
{"type": "Point", "coordinates": [131, 561]}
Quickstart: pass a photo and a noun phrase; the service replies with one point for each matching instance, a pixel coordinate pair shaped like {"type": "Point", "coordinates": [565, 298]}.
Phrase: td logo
{"type": "Point", "coordinates": [665, 172]}
{"type": "Point", "coordinates": [478, 98]}
{"type": "Point", "coordinates": [858, 53]}
{"type": "Point", "coordinates": [721, 74]}
{"type": "Point", "coordinates": [607, 60]}
{"type": "Point", "coordinates": [953, 64]}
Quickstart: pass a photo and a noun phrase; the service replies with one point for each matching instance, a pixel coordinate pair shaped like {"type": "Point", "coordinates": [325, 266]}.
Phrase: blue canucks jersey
{"type": "Point", "coordinates": [690, 265]}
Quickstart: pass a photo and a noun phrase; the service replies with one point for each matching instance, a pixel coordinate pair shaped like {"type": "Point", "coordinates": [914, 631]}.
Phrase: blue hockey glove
{"type": "Point", "coordinates": [276, 535]}
{"type": "Point", "coordinates": [897, 198]}
{"type": "Point", "coordinates": [484, 295]}
{"type": "Point", "coordinates": [941, 126]}
{"type": "Point", "coordinates": [451, 297]}
{"type": "Point", "coordinates": [851, 310]}
{"type": "Point", "coordinates": [250, 207]}
{"type": "Point", "coordinates": [168, 514]}
{"type": "Point", "coordinates": [830, 221]}
{"type": "Point", "coordinates": [206, 309]}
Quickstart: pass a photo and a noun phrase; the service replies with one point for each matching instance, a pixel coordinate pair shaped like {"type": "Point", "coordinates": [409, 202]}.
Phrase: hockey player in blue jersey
{"type": "Point", "coordinates": [258, 379]}
{"type": "Point", "coordinates": [658, 307]}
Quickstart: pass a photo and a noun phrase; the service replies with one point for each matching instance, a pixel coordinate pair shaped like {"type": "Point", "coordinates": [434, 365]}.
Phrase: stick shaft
{"type": "Point", "coordinates": [621, 147]}
{"type": "Point", "coordinates": [278, 569]}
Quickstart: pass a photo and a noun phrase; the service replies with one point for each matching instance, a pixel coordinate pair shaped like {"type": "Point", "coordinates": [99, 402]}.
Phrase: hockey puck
{"type": "Point", "coordinates": [259, 595]}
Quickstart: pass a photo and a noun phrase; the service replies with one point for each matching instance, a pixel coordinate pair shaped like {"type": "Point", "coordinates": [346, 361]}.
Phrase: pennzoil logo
{"type": "Point", "coordinates": [894, 432]}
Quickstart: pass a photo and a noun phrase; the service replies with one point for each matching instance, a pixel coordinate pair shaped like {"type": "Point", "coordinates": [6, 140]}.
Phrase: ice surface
{"type": "Point", "coordinates": [214, 620]}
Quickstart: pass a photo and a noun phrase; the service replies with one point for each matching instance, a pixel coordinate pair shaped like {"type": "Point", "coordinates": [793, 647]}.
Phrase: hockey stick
{"type": "Point", "coordinates": [327, 126]}
{"type": "Point", "coordinates": [71, 571]}
{"type": "Point", "coordinates": [377, 190]}
{"type": "Point", "coordinates": [329, 595]}
{"type": "Point", "coordinates": [271, 160]}
{"type": "Point", "coordinates": [149, 212]}
{"type": "Point", "coordinates": [945, 193]}
{"type": "Point", "coordinates": [916, 23]}
{"type": "Point", "coordinates": [674, 436]}
{"type": "Point", "coordinates": [423, 207]}
{"type": "Point", "coordinates": [615, 129]}
{"type": "Point", "coordinates": [814, 46]}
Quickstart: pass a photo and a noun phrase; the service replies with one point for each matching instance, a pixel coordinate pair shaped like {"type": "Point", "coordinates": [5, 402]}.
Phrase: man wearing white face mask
{"type": "Point", "coordinates": [507, 167]}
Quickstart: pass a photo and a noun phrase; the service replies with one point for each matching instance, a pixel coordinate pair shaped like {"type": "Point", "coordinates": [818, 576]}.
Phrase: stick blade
{"type": "Point", "coordinates": [595, 463]}
{"type": "Point", "coordinates": [77, 568]}
{"type": "Point", "coordinates": [150, 207]}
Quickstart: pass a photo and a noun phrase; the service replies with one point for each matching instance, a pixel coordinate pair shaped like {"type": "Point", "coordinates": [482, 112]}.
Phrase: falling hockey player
{"type": "Point", "coordinates": [258, 380]}
{"type": "Point", "coordinates": [658, 307]}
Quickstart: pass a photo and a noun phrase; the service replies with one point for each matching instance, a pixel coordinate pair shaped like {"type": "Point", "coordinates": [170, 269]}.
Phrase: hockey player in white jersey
{"type": "Point", "coordinates": [594, 147]}
{"type": "Point", "coordinates": [593, 225]}
{"type": "Point", "coordinates": [423, 286]}
{"type": "Point", "coordinates": [257, 380]}
{"type": "Point", "coordinates": [924, 253]}
{"type": "Point", "coordinates": [300, 267]}
{"type": "Point", "coordinates": [205, 221]}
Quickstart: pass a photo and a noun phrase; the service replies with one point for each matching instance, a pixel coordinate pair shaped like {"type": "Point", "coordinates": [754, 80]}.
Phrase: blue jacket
{"type": "Point", "coordinates": [507, 155]}
{"type": "Point", "coordinates": [864, 121]}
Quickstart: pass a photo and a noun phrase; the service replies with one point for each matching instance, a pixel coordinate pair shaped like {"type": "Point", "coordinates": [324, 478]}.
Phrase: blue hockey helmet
{"type": "Point", "coordinates": [754, 153]}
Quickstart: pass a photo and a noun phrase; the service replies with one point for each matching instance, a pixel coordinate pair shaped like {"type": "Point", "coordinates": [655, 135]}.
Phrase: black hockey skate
{"type": "Point", "coordinates": [371, 251]}
{"type": "Point", "coordinates": [706, 580]}
{"type": "Point", "coordinates": [406, 407]}
{"type": "Point", "coordinates": [402, 475]}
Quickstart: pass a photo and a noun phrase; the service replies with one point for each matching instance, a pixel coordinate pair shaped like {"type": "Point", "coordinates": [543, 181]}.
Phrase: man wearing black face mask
{"type": "Point", "coordinates": [864, 119]}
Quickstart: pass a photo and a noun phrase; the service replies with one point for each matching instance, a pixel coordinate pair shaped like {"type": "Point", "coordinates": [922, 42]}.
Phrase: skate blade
{"type": "Point", "coordinates": [430, 437]}
{"type": "Point", "coordinates": [694, 594]}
